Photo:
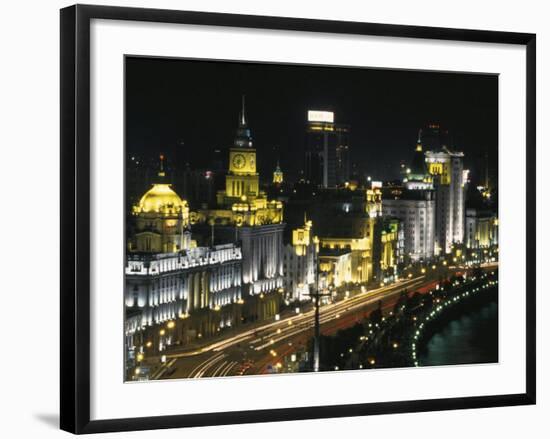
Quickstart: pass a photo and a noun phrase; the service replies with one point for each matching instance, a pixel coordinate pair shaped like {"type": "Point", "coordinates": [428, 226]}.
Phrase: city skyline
{"type": "Point", "coordinates": [385, 109]}
{"type": "Point", "coordinates": [239, 264]}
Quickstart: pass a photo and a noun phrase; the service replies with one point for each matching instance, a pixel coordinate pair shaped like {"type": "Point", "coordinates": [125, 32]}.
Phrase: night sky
{"type": "Point", "coordinates": [195, 105]}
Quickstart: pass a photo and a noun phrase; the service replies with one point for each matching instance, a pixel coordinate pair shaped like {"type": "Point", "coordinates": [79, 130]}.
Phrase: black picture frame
{"type": "Point", "coordinates": [75, 217]}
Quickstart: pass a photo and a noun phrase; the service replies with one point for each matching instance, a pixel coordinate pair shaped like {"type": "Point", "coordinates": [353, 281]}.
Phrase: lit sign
{"type": "Point", "coordinates": [320, 116]}
{"type": "Point", "coordinates": [376, 184]}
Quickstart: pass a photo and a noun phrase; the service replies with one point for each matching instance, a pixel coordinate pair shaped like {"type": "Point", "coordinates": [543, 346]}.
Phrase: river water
{"type": "Point", "coordinates": [472, 338]}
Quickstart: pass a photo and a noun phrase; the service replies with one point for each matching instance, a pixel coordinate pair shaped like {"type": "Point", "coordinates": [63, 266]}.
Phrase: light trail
{"type": "Point", "coordinates": [198, 368]}
{"type": "Point", "coordinates": [229, 368]}
{"type": "Point", "coordinates": [357, 301]}
{"type": "Point", "coordinates": [326, 316]}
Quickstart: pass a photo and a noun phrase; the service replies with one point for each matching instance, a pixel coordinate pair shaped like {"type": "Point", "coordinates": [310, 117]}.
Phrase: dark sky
{"type": "Point", "coordinates": [195, 105]}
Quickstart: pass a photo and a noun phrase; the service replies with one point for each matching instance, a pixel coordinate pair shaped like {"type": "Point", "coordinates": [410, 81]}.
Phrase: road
{"type": "Point", "coordinates": [252, 351]}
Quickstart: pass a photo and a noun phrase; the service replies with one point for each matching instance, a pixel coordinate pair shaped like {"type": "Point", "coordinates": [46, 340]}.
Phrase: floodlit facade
{"type": "Point", "coordinates": [481, 229]}
{"type": "Point", "coordinates": [416, 210]}
{"type": "Point", "coordinates": [244, 214]}
{"type": "Point", "coordinates": [336, 266]}
{"type": "Point", "coordinates": [446, 169]}
{"type": "Point", "coordinates": [278, 177]}
{"type": "Point", "coordinates": [168, 278]}
{"type": "Point", "coordinates": [300, 264]}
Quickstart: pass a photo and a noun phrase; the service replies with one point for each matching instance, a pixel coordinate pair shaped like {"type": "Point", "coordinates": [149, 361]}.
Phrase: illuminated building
{"type": "Point", "coordinates": [327, 150]}
{"type": "Point", "coordinates": [162, 219]}
{"type": "Point", "coordinates": [278, 175]}
{"type": "Point", "coordinates": [446, 170]}
{"type": "Point", "coordinates": [244, 214]}
{"type": "Point", "coordinates": [170, 279]}
{"type": "Point", "coordinates": [414, 204]}
{"type": "Point", "coordinates": [390, 249]}
{"type": "Point", "coordinates": [481, 229]}
{"type": "Point", "coordinates": [335, 266]}
{"type": "Point", "coordinates": [416, 209]}
{"type": "Point", "coordinates": [242, 203]}
{"type": "Point", "coordinates": [300, 263]}
{"type": "Point", "coordinates": [416, 174]}
{"type": "Point", "coordinates": [356, 226]}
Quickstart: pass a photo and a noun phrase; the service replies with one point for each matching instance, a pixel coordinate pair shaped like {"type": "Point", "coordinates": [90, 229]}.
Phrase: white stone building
{"type": "Point", "coordinates": [416, 210]}
{"type": "Point", "coordinates": [447, 171]}
{"type": "Point", "coordinates": [481, 229]}
{"type": "Point", "coordinates": [300, 264]}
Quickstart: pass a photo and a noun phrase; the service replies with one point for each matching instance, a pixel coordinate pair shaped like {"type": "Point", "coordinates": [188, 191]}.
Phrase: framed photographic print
{"type": "Point", "coordinates": [268, 218]}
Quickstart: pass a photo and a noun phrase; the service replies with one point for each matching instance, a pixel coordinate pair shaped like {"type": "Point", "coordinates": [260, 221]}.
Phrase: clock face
{"type": "Point", "coordinates": [239, 161]}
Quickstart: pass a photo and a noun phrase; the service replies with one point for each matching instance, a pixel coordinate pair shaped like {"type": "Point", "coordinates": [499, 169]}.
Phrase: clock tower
{"type": "Point", "coordinates": [242, 181]}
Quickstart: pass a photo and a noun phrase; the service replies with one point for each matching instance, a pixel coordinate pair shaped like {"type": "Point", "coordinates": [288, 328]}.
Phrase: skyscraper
{"type": "Point", "coordinates": [327, 161]}
{"type": "Point", "coordinates": [414, 205]}
{"type": "Point", "coordinates": [446, 168]}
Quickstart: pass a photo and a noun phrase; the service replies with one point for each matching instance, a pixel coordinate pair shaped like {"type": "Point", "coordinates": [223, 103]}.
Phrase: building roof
{"type": "Point", "coordinates": [418, 165]}
{"type": "Point", "coordinates": [160, 197]}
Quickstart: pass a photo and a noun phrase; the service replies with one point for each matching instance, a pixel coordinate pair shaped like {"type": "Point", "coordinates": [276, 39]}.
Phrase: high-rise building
{"type": "Point", "coordinates": [414, 205]}
{"type": "Point", "coordinates": [327, 162]}
{"type": "Point", "coordinates": [449, 178]}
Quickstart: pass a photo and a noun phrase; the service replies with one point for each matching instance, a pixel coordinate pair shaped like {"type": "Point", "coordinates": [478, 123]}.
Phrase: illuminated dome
{"type": "Point", "coordinates": [161, 198]}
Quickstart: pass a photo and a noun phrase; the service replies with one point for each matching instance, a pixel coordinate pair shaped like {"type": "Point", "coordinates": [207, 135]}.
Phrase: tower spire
{"type": "Point", "coordinates": [242, 120]}
{"type": "Point", "coordinates": [419, 141]}
{"type": "Point", "coordinates": [161, 172]}
{"type": "Point", "coordinates": [243, 137]}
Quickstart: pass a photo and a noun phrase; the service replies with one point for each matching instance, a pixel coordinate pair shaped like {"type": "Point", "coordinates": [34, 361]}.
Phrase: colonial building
{"type": "Point", "coordinates": [335, 266]}
{"type": "Point", "coordinates": [388, 250]}
{"type": "Point", "coordinates": [161, 219]}
{"type": "Point", "coordinates": [414, 204]}
{"type": "Point", "coordinates": [481, 228]}
{"type": "Point", "coordinates": [352, 222]}
{"type": "Point", "coordinates": [278, 175]}
{"type": "Point", "coordinates": [300, 264]}
{"type": "Point", "coordinates": [416, 210]}
{"type": "Point", "coordinates": [169, 279]}
{"type": "Point", "coordinates": [447, 172]}
{"type": "Point", "coordinates": [245, 215]}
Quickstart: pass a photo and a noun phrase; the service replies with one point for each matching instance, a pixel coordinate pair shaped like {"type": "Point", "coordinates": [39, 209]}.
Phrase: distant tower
{"type": "Point", "coordinates": [327, 161]}
{"type": "Point", "coordinates": [277, 174]}
{"type": "Point", "coordinates": [242, 179]}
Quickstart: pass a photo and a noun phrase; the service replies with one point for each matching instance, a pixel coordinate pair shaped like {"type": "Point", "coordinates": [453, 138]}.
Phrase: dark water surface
{"type": "Point", "coordinates": [472, 338]}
